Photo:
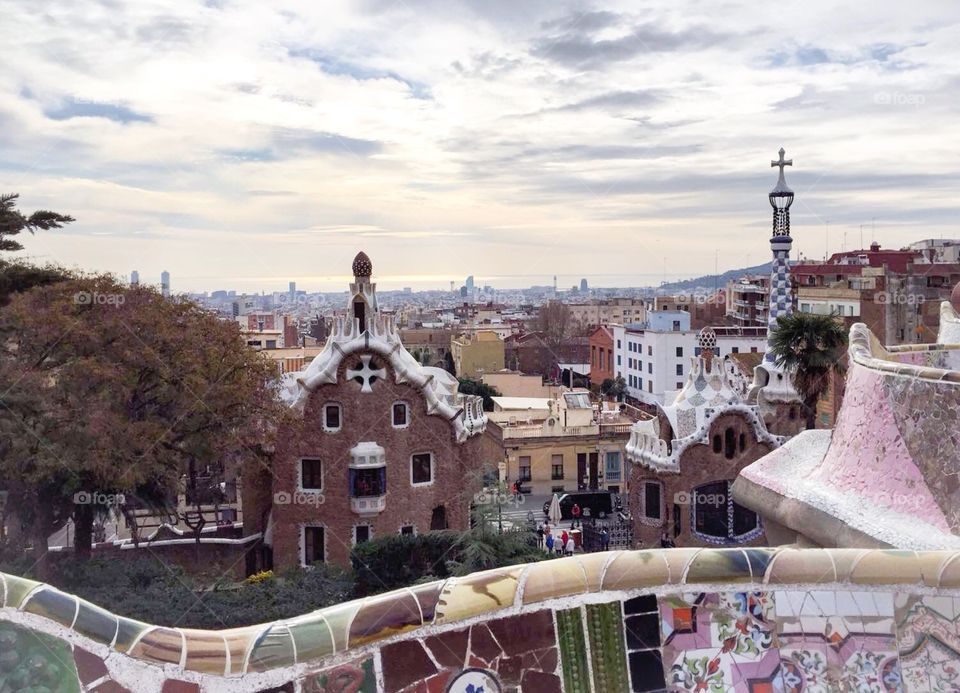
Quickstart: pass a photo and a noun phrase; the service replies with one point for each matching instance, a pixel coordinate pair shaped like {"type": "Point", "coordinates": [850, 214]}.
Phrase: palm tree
{"type": "Point", "coordinates": [812, 346]}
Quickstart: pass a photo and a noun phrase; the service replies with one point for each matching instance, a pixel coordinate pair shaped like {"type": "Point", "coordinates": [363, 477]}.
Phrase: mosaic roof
{"type": "Point", "coordinates": [889, 473]}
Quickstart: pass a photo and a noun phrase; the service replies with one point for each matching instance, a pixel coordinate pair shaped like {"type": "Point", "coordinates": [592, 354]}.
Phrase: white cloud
{"type": "Point", "coordinates": [231, 140]}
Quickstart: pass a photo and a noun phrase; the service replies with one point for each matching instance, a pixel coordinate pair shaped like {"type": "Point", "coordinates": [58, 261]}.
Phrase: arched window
{"type": "Point", "coordinates": [717, 443]}
{"type": "Point", "coordinates": [360, 312]}
{"type": "Point", "coordinates": [718, 519]}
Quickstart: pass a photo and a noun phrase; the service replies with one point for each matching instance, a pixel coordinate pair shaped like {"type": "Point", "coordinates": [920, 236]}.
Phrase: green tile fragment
{"type": "Point", "coordinates": [573, 651]}
{"type": "Point", "coordinates": [607, 647]}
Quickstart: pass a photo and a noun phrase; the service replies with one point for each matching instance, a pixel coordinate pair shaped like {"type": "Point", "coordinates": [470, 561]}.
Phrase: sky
{"type": "Point", "coordinates": [244, 144]}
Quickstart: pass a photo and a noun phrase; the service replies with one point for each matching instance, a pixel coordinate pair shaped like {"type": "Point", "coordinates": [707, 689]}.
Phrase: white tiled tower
{"type": "Point", "coordinates": [781, 301]}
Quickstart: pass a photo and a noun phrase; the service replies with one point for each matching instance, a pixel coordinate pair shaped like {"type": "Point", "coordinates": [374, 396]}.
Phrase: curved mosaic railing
{"type": "Point", "coordinates": [690, 619]}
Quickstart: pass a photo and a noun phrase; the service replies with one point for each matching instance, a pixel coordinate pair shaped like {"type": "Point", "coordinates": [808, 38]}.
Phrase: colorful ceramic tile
{"type": "Point", "coordinates": [52, 604]}
{"type": "Point", "coordinates": [607, 648]}
{"type": "Point", "coordinates": [474, 680]}
{"type": "Point", "coordinates": [206, 652]}
{"type": "Point", "coordinates": [478, 594]}
{"type": "Point", "coordinates": [96, 623]}
{"type": "Point", "coordinates": [17, 589]}
{"type": "Point", "coordinates": [636, 569]}
{"type": "Point", "coordinates": [553, 579]}
{"type": "Point", "coordinates": [163, 645]}
{"type": "Point", "coordinates": [311, 637]}
{"type": "Point", "coordinates": [272, 650]}
{"type": "Point", "coordinates": [385, 615]}
{"type": "Point", "coordinates": [355, 677]}
{"type": "Point", "coordinates": [34, 661]}
{"type": "Point", "coordinates": [928, 633]}
{"type": "Point", "coordinates": [405, 663]}
{"type": "Point", "coordinates": [573, 650]}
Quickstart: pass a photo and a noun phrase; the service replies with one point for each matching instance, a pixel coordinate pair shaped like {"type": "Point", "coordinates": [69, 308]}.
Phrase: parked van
{"type": "Point", "coordinates": [600, 504]}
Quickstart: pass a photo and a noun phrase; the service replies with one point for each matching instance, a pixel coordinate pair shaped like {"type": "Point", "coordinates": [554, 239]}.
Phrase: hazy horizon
{"type": "Point", "coordinates": [243, 146]}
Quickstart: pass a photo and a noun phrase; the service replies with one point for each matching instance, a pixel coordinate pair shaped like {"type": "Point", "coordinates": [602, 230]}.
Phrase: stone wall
{"type": "Point", "coordinates": [688, 619]}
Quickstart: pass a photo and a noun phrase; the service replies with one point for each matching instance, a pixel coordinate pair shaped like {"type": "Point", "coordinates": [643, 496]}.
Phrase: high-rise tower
{"type": "Point", "coordinates": [165, 283]}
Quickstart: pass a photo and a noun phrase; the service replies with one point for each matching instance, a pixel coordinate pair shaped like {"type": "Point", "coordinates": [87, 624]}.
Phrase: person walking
{"type": "Point", "coordinates": [540, 536]}
{"type": "Point", "coordinates": [549, 542]}
{"type": "Point", "coordinates": [604, 540]}
{"type": "Point", "coordinates": [563, 537]}
{"type": "Point", "coordinates": [571, 546]}
{"type": "Point", "coordinates": [575, 511]}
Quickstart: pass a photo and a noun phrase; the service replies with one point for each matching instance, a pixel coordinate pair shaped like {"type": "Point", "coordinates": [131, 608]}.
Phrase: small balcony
{"type": "Point", "coordinates": [368, 505]}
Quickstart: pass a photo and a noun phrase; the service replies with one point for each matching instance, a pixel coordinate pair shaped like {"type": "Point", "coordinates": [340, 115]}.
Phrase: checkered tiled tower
{"type": "Point", "coordinates": [781, 301]}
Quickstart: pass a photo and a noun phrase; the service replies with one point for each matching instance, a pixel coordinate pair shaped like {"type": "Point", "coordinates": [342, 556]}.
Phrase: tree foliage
{"type": "Point", "coordinates": [614, 387]}
{"type": "Point", "coordinates": [468, 386]}
{"type": "Point", "coordinates": [812, 346]}
{"type": "Point", "coordinates": [12, 221]}
{"type": "Point", "coordinates": [115, 390]}
{"type": "Point", "coordinates": [148, 590]}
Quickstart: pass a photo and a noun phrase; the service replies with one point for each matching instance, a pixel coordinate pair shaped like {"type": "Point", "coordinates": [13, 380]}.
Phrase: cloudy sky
{"type": "Point", "coordinates": [242, 144]}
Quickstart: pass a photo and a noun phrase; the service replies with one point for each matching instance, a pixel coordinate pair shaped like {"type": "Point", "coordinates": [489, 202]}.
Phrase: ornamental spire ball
{"type": "Point", "coordinates": [362, 267]}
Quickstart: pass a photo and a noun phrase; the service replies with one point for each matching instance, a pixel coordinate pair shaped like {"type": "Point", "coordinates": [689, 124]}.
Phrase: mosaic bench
{"type": "Point", "coordinates": [666, 619]}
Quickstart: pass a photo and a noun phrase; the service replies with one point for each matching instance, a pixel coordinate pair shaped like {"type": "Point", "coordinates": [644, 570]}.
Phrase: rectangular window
{"type": "Point", "coordinates": [618, 344]}
{"type": "Point", "coordinates": [735, 350]}
{"type": "Point", "coordinates": [652, 500]}
{"type": "Point", "coordinates": [650, 367]}
{"type": "Point", "coordinates": [650, 386]}
{"type": "Point", "coordinates": [421, 468]}
{"type": "Point", "coordinates": [679, 369]}
{"type": "Point", "coordinates": [556, 467]}
{"type": "Point", "coordinates": [618, 359]}
{"type": "Point", "coordinates": [753, 350]}
{"type": "Point", "coordinates": [612, 470]}
{"type": "Point", "coordinates": [361, 533]}
{"type": "Point", "coordinates": [679, 352]}
{"type": "Point", "coordinates": [650, 350]}
{"type": "Point", "coordinates": [368, 482]}
{"type": "Point", "coordinates": [406, 530]}
{"type": "Point", "coordinates": [400, 415]}
{"type": "Point", "coordinates": [331, 417]}
{"type": "Point", "coordinates": [524, 468]}
{"type": "Point", "coordinates": [313, 545]}
{"type": "Point", "coordinates": [311, 474]}
{"type": "Point", "coordinates": [679, 386]}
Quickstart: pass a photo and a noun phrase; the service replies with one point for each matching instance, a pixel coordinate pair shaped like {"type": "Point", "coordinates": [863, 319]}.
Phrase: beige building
{"type": "Point", "coordinates": [517, 384]}
{"type": "Point", "coordinates": [621, 311]}
{"type": "Point", "coordinates": [476, 354]}
{"type": "Point", "coordinates": [562, 443]}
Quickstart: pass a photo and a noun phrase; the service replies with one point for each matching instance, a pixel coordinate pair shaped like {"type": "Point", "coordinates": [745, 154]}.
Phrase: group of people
{"type": "Point", "coordinates": [561, 543]}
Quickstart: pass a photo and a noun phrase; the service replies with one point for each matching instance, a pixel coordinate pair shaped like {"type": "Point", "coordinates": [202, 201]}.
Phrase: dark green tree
{"type": "Point", "coordinates": [812, 346]}
{"type": "Point", "coordinates": [12, 221]}
{"type": "Point", "coordinates": [468, 386]}
{"type": "Point", "coordinates": [615, 387]}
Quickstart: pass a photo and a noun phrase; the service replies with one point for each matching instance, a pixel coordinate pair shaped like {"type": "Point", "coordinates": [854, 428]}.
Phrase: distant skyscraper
{"type": "Point", "coordinates": [293, 288]}
{"type": "Point", "coordinates": [583, 285]}
{"type": "Point", "coordinates": [469, 283]}
{"type": "Point", "coordinates": [165, 283]}
{"type": "Point", "coordinates": [134, 278]}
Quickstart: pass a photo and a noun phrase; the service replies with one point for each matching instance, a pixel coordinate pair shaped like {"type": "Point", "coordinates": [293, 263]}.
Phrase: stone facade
{"type": "Point", "coordinates": [686, 495]}
{"type": "Point", "coordinates": [378, 445]}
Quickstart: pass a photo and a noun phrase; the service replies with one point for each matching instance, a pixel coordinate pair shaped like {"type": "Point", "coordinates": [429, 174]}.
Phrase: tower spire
{"type": "Point", "coordinates": [781, 299]}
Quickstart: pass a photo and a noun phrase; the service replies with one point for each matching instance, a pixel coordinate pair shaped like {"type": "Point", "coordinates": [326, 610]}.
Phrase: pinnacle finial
{"type": "Point", "coordinates": [782, 162]}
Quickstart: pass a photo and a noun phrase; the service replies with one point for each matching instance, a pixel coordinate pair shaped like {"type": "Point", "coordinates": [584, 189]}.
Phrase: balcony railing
{"type": "Point", "coordinates": [368, 505]}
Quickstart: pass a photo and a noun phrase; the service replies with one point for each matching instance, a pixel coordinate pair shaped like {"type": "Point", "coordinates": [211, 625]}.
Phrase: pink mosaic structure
{"type": "Point", "coordinates": [888, 475]}
{"type": "Point", "coordinates": [750, 620]}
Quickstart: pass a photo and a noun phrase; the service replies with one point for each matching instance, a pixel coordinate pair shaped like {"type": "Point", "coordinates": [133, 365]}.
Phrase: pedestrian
{"type": "Point", "coordinates": [604, 540]}
{"type": "Point", "coordinates": [571, 545]}
{"type": "Point", "coordinates": [540, 536]}
{"type": "Point", "coordinates": [563, 537]}
{"type": "Point", "coordinates": [575, 511]}
{"type": "Point", "coordinates": [549, 542]}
